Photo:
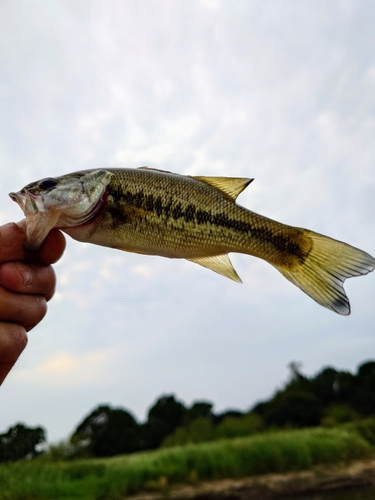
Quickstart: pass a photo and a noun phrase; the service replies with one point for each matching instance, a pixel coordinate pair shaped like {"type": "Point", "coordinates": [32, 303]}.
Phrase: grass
{"type": "Point", "coordinates": [113, 478]}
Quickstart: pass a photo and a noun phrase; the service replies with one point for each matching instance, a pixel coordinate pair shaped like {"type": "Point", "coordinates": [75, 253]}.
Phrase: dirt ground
{"type": "Point", "coordinates": [269, 486]}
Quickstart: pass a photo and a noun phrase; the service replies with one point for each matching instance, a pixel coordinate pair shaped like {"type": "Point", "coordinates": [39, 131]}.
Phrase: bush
{"type": "Point", "coordinates": [232, 427]}
{"type": "Point", "coordinates": [198, 431]}
{"type": "Point", "coordinates": [338, 414]}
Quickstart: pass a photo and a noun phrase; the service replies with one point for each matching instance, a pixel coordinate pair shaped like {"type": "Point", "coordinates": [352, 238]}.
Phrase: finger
{"type": "Point", "coordinates": [28, 278]}
{"type": "Point", "coordinates": [13, 340]}
{"type": "Point", "coordinates": [27, 310]}
{"type": "Point", "coordinates": [12, 238]}
{"type": "Point", "coordinates": [52, 247]}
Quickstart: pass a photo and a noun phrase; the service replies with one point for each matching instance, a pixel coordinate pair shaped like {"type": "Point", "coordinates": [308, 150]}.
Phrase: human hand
{"type": "Point", "coordinates": [27, 282]}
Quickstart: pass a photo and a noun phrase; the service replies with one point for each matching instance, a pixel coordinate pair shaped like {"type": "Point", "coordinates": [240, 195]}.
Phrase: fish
{"type": "Point", "coordinates": [156, 212]}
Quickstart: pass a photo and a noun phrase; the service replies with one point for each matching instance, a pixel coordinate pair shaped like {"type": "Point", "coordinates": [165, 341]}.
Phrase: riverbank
{"type": "Point", "coordinates": [268, 464]}
{"type": "Point", "coordinates": [319, 479]}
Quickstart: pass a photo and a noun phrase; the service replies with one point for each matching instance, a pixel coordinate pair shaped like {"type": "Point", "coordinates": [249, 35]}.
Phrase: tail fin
{"type": "Point", "coordinates": [322, 274]}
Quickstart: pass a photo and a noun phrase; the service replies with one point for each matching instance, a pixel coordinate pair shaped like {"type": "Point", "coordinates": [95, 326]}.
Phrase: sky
{"type": "Point", "coordinates": [282, 91]}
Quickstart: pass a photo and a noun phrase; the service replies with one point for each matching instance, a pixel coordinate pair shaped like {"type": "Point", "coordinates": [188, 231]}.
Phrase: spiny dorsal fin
{"type": "Point", "coordinates": [155, 170]}
{"type": "Point", "coordinates": [231, 186]}
{"type": "Point", "coordinates": [220, 264]}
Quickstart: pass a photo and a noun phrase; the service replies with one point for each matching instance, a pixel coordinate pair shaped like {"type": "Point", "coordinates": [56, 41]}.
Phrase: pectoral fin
{"type": "Point", "coordinates": [220, 264]}
{"type": "Point", "coordinates": [230, 186]}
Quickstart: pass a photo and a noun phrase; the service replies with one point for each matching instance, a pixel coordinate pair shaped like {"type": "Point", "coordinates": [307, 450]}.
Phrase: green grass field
{"type": "Point", "coordinates": [114, 478]}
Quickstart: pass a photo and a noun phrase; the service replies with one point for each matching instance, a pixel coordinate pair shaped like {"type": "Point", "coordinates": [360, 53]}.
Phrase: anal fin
{"type": "Point", "coordinates": [220, 264]}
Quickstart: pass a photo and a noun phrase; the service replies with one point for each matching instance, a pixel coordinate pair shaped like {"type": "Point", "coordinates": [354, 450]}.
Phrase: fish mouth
{"type": "Point", "coordinates": [74, 204]}
{"type": "Point", "coordinates": [19, 198]}
{"type": "Point", "coordinates": [38, 221]}
{"type": "Point", "coordinates": [28, 202]}
{"type": "Point", "coordinates": [32, 204]}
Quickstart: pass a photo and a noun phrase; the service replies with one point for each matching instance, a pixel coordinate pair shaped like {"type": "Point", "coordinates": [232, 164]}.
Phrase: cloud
{"type": "Point", "coordinates": [66, 370]}
{"type": "Point", "coordinates": [281, 93]}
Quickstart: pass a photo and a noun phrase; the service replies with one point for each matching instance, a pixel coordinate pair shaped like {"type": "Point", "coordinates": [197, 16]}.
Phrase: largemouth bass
{"type": "Point", "coordinates": [155, 212]}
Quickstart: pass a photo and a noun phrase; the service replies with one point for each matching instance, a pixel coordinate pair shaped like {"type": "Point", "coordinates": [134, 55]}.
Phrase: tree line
{"type": "Point", "coordinates": [329, 398]}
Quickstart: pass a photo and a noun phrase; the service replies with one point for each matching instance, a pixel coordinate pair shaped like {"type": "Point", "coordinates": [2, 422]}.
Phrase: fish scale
{"type": "Point", "coordinates": [156, 212]}
{"type": "Point", "coordinates": [211, 219]}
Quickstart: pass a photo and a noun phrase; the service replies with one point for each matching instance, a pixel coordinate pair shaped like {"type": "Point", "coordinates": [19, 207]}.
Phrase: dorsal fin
{"type": "Point", "coordinates": [230, 186]}
{"type": "Point", "coordinates": [155, 170]}
{"type": "Point", "coordinates": [220, 264]}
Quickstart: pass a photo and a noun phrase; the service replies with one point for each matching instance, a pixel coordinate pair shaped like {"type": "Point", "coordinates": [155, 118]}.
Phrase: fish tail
{"type": "Point", "coordinates": [321, 274]}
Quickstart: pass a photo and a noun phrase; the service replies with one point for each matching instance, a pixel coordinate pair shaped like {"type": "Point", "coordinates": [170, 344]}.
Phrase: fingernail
{"type": "Point", "coordinates": [27, 276]}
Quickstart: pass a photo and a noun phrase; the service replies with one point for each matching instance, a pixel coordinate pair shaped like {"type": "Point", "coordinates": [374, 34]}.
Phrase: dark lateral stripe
{"type": "Point", "coordinates": [191, 213]}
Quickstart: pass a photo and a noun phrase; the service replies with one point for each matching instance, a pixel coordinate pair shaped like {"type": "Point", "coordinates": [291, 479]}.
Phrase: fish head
{"type": "Point", "coordinates": [67, 201]}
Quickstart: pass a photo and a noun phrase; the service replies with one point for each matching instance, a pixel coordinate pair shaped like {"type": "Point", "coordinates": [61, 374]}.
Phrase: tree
{"type": "Point", "coordinates": [199, 409]}
{"type": "Point", "coordinates": [218, 418]}
{"type": "Point", "coordinates": [163, 418]}
{"type": "Point", "coordinates": [297, 382]}
{"type": "Point", "coordinates": [295, 405]}
{"type": "Point", "coordinates": [326, 386]}
{"type": "Point", "coordinates": [367, 371]}
{"type": "Point", "coordinates": [107, 432]}
{"type": "Point", "coordinates": [292, 408]}
{"type": "Point", "coordinates": [363, 400]}
{"type": "Point", "coordinates": [21, 442]}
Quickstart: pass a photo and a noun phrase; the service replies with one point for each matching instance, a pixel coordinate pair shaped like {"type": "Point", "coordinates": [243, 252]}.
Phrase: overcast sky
{"type": "Point", "coordinates": [282, 91]}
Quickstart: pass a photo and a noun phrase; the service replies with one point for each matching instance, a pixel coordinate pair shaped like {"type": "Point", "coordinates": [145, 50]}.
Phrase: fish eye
{"type": "Point", "coordinates": [47, 183]}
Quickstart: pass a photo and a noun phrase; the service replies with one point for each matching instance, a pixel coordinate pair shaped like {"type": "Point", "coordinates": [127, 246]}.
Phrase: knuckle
{"type": "Point", "coordinates": [13, 340]}
{"type": "Point", "coordinates": [19, 337]}
{"type": "Point", "coordinates": [34, 312]}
